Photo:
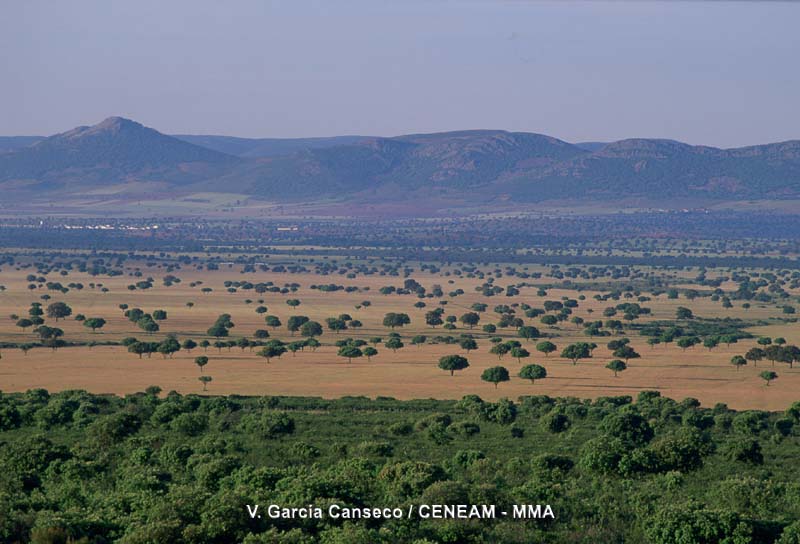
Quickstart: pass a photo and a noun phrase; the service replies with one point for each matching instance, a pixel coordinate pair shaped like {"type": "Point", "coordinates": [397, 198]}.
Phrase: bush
{"type": "Point", "coordinates": [555, 422]}
{"type": "Point", "coordinates": [433, 420]}
{"type": "Point", "coordinates": [379, 449]}
{"type": "Point", "coordinates": [303, 450]}
{"type": "Point", "coordinates": [268, 424]}
{"type": "Point", "coordinates": [602, 454]}
{"type": "Point", "coordinates": [400, 429]}
{"type": "Point", "coordinates": [465, 458]}
{"type": "Point", "coordinates": [190, 424]}
{"type": "Point", "coordinates": [553, 463]}
{"type": "Point", "coordinates": [694, 523]}
{"type": "Point", "coordinates": [465, 428]}
{"type": "Point", "coordinates": [750, 423]}
{"type": "Point", "coordinates": [411, 478]}
{"type": "Point", "coordinates": [629, 427]}
{"type": "Point", "coordinates": [784, 426]}
{"type": "Point", "coordinates": [115, 427]}
{"type": "Point", "coordinates": [746, 450]}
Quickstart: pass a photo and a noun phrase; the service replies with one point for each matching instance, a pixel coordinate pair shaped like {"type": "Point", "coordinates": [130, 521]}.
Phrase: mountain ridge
{"type": "Point", "coordinates": [484, 164]}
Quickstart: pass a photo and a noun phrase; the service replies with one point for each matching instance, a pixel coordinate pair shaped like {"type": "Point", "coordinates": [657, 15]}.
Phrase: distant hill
{"type": "Point", "coordinates": [116, 150]}
{"type": "Point", "coordinates": [659, 169]}
{"type": "Point", "coordinates": [265, 147]}
{"type": "Point", "coordinates": [591, 146]}
{"type": "Point", "coordinates": [424, 162]}
{"type": "Point", "coordinates": [473, 166]}
{"type": "Point", "coordinates": [12, 143]}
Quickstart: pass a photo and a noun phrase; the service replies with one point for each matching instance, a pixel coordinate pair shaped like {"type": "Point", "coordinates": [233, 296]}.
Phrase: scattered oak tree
{"type": "Point", "coordinates": [495, 375]}
{"type": "Point", "coordinates": [533, 373]}
{"type": "Point", "coordinates": [452, 363]}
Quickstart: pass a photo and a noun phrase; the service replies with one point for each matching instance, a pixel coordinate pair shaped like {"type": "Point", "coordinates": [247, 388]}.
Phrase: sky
{"type": "Point", "coordinates": [714, 73]}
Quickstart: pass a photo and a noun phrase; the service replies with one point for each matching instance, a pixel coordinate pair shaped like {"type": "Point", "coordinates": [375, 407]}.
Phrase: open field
{"type": "Point", "coordinates": [411, 372]}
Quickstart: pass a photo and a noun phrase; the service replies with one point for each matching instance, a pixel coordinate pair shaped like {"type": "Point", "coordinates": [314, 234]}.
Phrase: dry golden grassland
{"type": "Point", "coordinates": [409, 373]}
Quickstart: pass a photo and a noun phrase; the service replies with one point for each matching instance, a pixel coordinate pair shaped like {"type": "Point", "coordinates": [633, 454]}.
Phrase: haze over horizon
{"type": "Point", "coordinates": [301, 69]}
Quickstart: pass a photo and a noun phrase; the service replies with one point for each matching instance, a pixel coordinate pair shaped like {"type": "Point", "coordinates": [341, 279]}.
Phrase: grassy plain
{"type": "Point", "coordinates": [411, 372]}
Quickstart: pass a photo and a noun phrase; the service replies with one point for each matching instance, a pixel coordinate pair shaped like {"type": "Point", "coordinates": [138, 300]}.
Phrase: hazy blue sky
{"type": "Point", "coordinates": [718, 73]}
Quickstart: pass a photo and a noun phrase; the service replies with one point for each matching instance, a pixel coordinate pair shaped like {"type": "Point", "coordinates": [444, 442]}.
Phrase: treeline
{"type": "Point", "coordinates": [690, 239]}
{"type": "Point", "coordinates": [77, 467]}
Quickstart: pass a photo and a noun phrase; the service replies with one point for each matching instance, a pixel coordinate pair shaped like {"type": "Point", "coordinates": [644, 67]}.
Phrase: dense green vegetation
{"type": "Point", "coordinates": [86, 468]}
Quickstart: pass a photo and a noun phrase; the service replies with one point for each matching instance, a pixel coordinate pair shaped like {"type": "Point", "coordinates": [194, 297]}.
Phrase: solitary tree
{"type": "Point", "coordinates": [468, 344]}
{"type": "Point", "coordinates": [768, 376]}
{"type": "Point", "coordinates": [168, 347]}
{"type": "Point", "coordinates": [24, 323]}
{"type": "Point", "coordinates": [470, 319]}
{"type": "Point", "coordinates": [49, 333]}
{"type": "Point", "coordinates": [243, 343]}
{"type": "Point", "coordinates": [495, 375]}
{"type": "Point", "coordinates": [533, 373]}
{"type": "Point", "coordinates": [139, 348]}
{"type": "Point", "coordinates": [58, 310]}
{"type": "Point", "coordinates": [295, 322]}
{"type": "Point", "coordinates": [453, 363]}
{"type": "Point", "coordinates": [217, 330]}
{"type": "Point", "coordinates": [274, 350]}
{"type": "Point", "coordinates": [686, 342]}
{"type": "Point", "coordinates": [310, 329]}
{"type": "Point", "coordinates": [394, 343]}
{"type": "Point", "coordinates": [205, 380]}
{"type": "Point", "coordinates": [574, 352]}
{"type": "Point", "coordinates": [393, 320]}
{"type": "Point", "coordinates": [738, 361]}
{"type": "Point", "coordinates": [546, 347]}
{"type": "Point", "coordinates": [683, 313]}
{"type": "Point", "coordinates": [201, 362]}
{"type": "Point", "coordinates": [520, 353]}
{"type": "Point", "coordinates": [528, 333]}
{"type": "Point", "coordinates": [549, 320]}
{"type": "Point", "coordinates": [294, 347]}
{"type": "Point", "coordinates": [616, 366]}
{"type": "Point", "coordinates": [189, 345]}
{"type": "Point", "coordinates": [499, 350]}
{"type": "Point", "coordinates": [272, 321]}
{"type": "Point", "coordinates": [370, 352]}
{"type": "Point", "coordinates": [94, 323]}
{"type": "Point", "coordinates": [626, 352]}
{"type": "Point", "coordinates": [335, 324]}
{"type": "Point", "coordinates": [350, 352]}
{"type": "Point", "coordinates": [433, 318]}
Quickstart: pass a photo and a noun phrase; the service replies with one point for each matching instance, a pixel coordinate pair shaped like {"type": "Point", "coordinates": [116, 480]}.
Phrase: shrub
{"type": "Point", "coordinates": [555, 422]}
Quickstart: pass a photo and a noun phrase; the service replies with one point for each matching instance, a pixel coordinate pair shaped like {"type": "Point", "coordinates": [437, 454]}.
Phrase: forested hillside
{"type": "Point", "coordinates": [87, 468]}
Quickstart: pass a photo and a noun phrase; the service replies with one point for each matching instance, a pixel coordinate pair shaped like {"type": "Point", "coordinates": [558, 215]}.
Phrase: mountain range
{"type": "Point", "coordinates": [121, 157]}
